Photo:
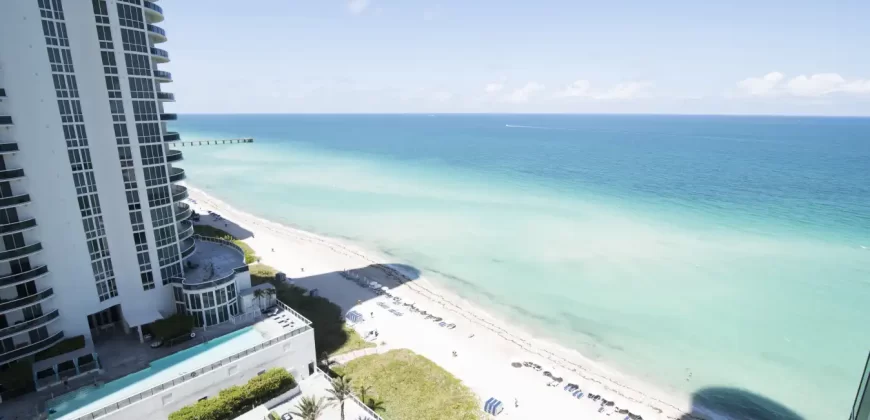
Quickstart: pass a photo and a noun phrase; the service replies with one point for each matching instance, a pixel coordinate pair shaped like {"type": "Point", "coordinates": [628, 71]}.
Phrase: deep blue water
{"type": "Point", "coordinates": [691, 251]}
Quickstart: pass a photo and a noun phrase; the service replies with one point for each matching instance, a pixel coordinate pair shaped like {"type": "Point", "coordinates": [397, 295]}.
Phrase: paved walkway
{"type": "Point", "coordinates": [346, 357]}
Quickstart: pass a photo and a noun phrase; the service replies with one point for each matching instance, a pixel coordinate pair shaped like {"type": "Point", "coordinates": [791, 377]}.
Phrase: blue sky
{"type": "Point", "coordinates": [621, 56]}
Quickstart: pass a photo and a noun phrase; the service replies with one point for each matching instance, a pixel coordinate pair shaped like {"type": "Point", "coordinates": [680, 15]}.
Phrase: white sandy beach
{"type": "Point", "coordinates": [484, 360]}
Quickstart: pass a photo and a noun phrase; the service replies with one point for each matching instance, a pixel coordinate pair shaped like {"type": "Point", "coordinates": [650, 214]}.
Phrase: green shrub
{"type": "Point", "coordinates": [63, 347]}
{"type": "Point", "coordinates": [235, 400]}
{"type": "Point", "coordinates": [261, 273]}
{"type": "Point", "coordinates": [174, 326]}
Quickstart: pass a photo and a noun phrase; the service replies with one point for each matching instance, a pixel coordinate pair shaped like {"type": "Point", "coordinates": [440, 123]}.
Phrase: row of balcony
{"type": "Point", "coordinates": [183, 211]}
{"type": "Point", "coordinates": [11, 280]}
{"type": "Point", "coordinates": [153, 11]}
{"type": "Point", "coordinates": [29, 324]}
{"type": "Point", "coordinates": [163, 76]}
{"type": "Point", "coordinates": [156, 33]}
{"type": "Point", "coordinates": [5, 120]}
{"type": "Point", "coordinates": [176, 175]}
{"type": "Point", "coordinates": [174, 156]}
{"type": "Point", "coordinates": [166, 96]}
{"type": "Point", "coordinates": [18, 303]}
{"type": "Point", "coordinates": [31, 348]}
{"type": "Point", "coordinates": [159, 56]}
{"type": "Point", "coordinates": [179, 193]}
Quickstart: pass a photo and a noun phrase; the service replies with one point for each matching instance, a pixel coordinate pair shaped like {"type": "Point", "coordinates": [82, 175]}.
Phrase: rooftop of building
{"type": "Point", "coordinates": [211, 261]}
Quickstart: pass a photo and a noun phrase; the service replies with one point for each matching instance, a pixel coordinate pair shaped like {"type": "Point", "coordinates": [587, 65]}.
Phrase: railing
{"type": "Point", "coordinates": [186, 252]}
{"type": "Point", "coordinates": [166, 96]}
{"type": "Point", "coordinates": [160, 53]}
{"type": "Point", "coordinates": [30, 323]}
{"type": "Point", "coordinates": [20, 225]}
{"type": "Point", "coordinates": [179, 192]}
{"type": "Point", "coordinates": [191, 375]}
{"type": "Point", "coordinates": [185, 232]}
{"type": "Point", "coordinates": [174, 156]}
{"type": "Point", "coordinates": [5, 120]}
{"type": "Point", "coordinates": [27, 300]}
{"type": "Point", "coordinates": [157, 30]}
{"type": "Point", "coordinates": [369, 411]}
{"type": "Point", "coordinates": [168, 117]}
{"type": "Point", "coordinates": [183, 211]}
{"type": "Point", "coordinates": [8, 147]}
{"type": "Point", "coordinates": [32, 348]}
{"type": "Point", "coordinates": [8, 174]}
{"type": "Point", "coordinates": [176, 174]}
{"type": "Point", "coordinates": [284, 306]}
{"type": "Point", "coordinates": [13, 279]}
{"type": "Point", "coordinates": [14, 200]}
{"type": "Point", "coordinates": [171, 136]}
{"type": "Point", "coordinates": [20, 252]}
{"type": "Point", "coordinates": [219, 281]}
{"type": "Point", "coordinates": [153, 7]}
{"type": "Point", "coordinates": [161, 74]}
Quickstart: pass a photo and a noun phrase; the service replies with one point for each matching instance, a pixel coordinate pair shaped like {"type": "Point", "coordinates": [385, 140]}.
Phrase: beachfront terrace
{"type": "Point", "coordinates": [214, 262]}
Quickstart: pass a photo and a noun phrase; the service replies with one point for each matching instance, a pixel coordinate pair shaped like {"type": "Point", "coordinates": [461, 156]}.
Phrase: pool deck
{"type": "Point", "coordinates": [314, 386]}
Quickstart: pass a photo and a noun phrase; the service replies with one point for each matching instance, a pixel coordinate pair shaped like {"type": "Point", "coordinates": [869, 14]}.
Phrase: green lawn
{"type": "Point", "coordinates": [205, 230]}
{"type": "Point", "coordinates": [413, 387]}
{"type": "Point", "coordinates": [354, 342]}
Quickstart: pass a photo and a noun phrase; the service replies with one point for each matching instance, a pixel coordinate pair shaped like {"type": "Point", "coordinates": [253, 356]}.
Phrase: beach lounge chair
{"type": "Point", "coordinates": [493, 406]}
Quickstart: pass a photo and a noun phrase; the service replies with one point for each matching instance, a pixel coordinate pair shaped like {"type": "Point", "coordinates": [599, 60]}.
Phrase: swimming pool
{"type": "Point", "coordinates": [88, 399]}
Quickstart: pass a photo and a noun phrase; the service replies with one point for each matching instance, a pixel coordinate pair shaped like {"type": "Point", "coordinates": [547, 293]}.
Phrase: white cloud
{"type": "Point", "coordinates": [493, 87]}
{"type": "Point", "coordinates": [813, 86]}
{"type": "Point", "coordinates": [622, 91]}
{"type": "Point", "coordinates": [357, 6]}
{"type": "Point", "coordinates": [523, 94]}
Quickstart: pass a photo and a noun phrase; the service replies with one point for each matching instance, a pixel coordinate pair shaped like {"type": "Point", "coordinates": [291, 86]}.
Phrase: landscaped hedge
{"type": "Point", "coordinates": [65, 346]}
{"type": "Point", "coordinates": [174, 326]}
{"type": "Point", "coordinates": [233, 401]}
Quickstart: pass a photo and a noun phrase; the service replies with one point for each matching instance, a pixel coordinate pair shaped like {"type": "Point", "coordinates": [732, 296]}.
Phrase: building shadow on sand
{"type": "Point", "coordinates": [735, 403]}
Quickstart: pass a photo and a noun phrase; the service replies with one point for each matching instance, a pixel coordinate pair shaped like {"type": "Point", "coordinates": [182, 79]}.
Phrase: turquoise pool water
{"type": "Point", "coordinates": [85, 400]}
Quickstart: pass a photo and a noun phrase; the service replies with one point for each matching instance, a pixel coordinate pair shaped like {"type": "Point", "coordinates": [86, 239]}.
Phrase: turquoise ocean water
{"type": "Point", "coordinates": [697, 253]}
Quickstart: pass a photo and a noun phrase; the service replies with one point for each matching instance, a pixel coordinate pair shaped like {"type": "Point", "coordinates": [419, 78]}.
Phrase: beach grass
{"type": "Point", "coordinates": [213, 232]}
{"type": "Point", "coordinates": [354, 342]}
{"type": "Point", "coordinates": [412, 387]}
{"type": "Point", "coordinates": [262, 273]}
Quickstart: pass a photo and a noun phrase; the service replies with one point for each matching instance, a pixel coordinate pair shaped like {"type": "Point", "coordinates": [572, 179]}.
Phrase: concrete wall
{"type": "Point", "coordinates": [294, 355]}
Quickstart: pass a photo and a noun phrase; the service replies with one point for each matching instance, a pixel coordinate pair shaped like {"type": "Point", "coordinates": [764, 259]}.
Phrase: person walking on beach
{"type": "Point", "coordinates": [516, 403]}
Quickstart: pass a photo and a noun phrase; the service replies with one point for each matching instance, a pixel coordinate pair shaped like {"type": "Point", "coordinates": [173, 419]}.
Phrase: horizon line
{"type": "Point", "coordinates": [532, 113]}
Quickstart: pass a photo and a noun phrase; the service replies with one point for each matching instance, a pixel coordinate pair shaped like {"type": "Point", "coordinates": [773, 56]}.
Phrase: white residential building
{"type": "Point", "coordinates": [94, 230]}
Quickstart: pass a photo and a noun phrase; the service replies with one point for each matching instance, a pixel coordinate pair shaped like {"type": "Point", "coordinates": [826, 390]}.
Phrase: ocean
{"type": "Point", "coordinates": [727, 258]}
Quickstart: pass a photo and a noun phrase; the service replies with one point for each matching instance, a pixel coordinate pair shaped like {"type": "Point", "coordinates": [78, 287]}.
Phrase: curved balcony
{"type": "Point", "coordinates": [159, 56]}
{"type": "Point", "coordinates": [179, 193]}
{"type": "Point", "coordinates": [211, 283]}
{"type": "Point", "coordinates": [168, 117]}
{"type": "Point", "coordinates": [187, 248]}
{"type": "Point", "coordinates": [156, 33]}
{"type": "Point", "coordinates": [163, 76]}
{"type": "Point", "coordinates": [30, 349]}
{"type": "Point", "coordinates": [5, 120]}
{"type": "Point", "coordinates": [182, 211]}
{"type": "Point", "coordinates": [185, 230]}
{"type": "Point", "coordinates": [29, 324]}
{"type": "Point", "coordinates": [8, 305]}
{"type": "Point", "coordinates": [153, 11]}
{"type": "Point", "coordinates": [174, 156]}
{"type": "Point", "coordinates": [18, 226]}
{"type": "Point", "coordinates": [171, 136]}
{"type": "Point", "coordinates": [15, 200]}
{"type": "Point", "coordinates": [176, 175]}
{"type": "Point", "coordinates": [166, 96]}
{"type": "Point", "coordinates": [11, 174]}
{"type": "Point", "coordinates": [20, 252]}
{"type": "Point", "coordinates": [8, 147]}
{"type": "Point", "coordinates": [9, 280]}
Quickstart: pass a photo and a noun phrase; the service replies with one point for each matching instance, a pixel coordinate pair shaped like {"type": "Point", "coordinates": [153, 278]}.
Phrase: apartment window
{"type": "Point", "coordinates": [51, 9]}
{"type": "Point", "coordinates": [98, 248]}
{"type": "Point", "coordinates": [170, 271]}
{"type": "Point", "coordinates": [32, 312]}
{"type": "Point", "coordinates": [165, 235]}
{"type": "Point", "coordinates": [104, 34]}
{"type": "Point", "coordinates": [147, 280]}
{"type": "Point", "coordinates": [136, 221]}
{"type": "Point", "coordinates": [148, 132]}
{"type": "Point", "coordinates": [179, 295]}
{"type": "Point", "coordinates": [75, 135]}
{"type": "Point", "coordinates": [38, 334]}
{"type": "Point", "coordinates": [145, 110]}
{"type": "Point", "coordinates": [159, 196]}
{"type": "Point", "coordinates": [125, 155]}
{"type": "Point", "coordinates": [84, 182]}
{"type": "Point", "coordinates": [121, 135]}
{"type": "Point", "coordinates": [9, 215]}
{"type": "Point", "coordinates": [129, 176]}
{"type": "Point", "coordinates": [220, 296]}
{"type": "Point", "coordinates": [133, 200]}
{"type": "Point", "coordinates": [89, 205]}
{"type": "Point", "coordinates": [101, 10]}
{"type": "Point", "coordinates": [141, 87]}
{"type": "Point", "coordinates": [207, 300]}
{"type": "Point", "coordinates": [65, 86]}
{"type": "Point", "coordinates": [161, 216]}
{"type": "Point", "coordinates": [141, 241]}
{"type": "Point", "coordinates": [195, 302]}
{"type": "Point", "coordinates": [231, 292]}
{"type": "Point", "coordinates": [211, 317]}
{"type": "Point", "coordinates": [155, 175]}
{"type": "Point", "coordinates": [134, 40]}
{"type": "Point", "coordinates": [167, 255]}
{"type": "Point", "coordinates": [93, 227]}
{"type": "Point", "coordinates": [152, 154]}
{"type": "Point", "coordinates": [80, 159]}
{"type": "Point", "coordinates": [222, 314]}
{"type": "Point", "coordinates": [130, 16]}
{"type": "Point", "coordinates": [138, 64]}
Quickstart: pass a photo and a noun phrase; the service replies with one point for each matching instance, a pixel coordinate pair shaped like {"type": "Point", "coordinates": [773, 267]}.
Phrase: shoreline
{"type": "Point", "coordinates": [510, 342]}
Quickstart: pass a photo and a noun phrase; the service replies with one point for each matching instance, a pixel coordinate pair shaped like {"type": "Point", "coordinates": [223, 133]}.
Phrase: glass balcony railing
{"type": "Point", "coordinates": [171, 136]}
{"type": "Point", "coordinates": [153, 8]}
{"type": "Point", "coordinates": [156, 30]}
{"type": "Point", "coordinates": [20, 252]}
{"type": "Point", "coordinates": [18, 226]}
{"type": "Point", "coordinates": [15, 200]}
{"type": "Point", "coordinates": [160, 55]}
{"type": "Point", "coordinates": [30, 349]}
{"type": "Point", "coordinates": [29, 324]}
{"type": "Point", "coordinates": [182, 211]}
{"type": "Point", "coordinates": [168, 117]}
{"type": "Point", "coordinates": [8, 147]}
{"type": "Point", "coordinates": [10, 174]}
{"type": "Point", "coordinates": [166, 96]}
{"type": "Point", "coordinates": [163, 75]}
{"type": "Point", "coordinates": [5, 120]}
{"type": "Point", "coordinates": [8, 280]}
{"type": "Point", "coordinates": [187, 248]}
{"type": "Point", "coordinates": [27, 300]}
{"type": "Point", "coordinates": [174, 156]}
{"type": "Point", "coordinates": [176, 175]}
{"type": "Point", "coordinates": [179, 193]}
{"type": "Point", "coordinates": [185, 230]}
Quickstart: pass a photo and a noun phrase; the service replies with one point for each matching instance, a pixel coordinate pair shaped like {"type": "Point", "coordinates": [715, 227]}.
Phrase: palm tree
{"type": "Point", "coordinates": [259, 294]}
{"type": "Point", "coordinates": [309, 408]}
{"type": "Point", "coordinates": [375, 404]}
{"type": "Point", "coordinates": [340, 391]}
{"type": "Point", "coordinates": [363, 391]}
{"type": "Point", "coordinates": [270, 294]}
